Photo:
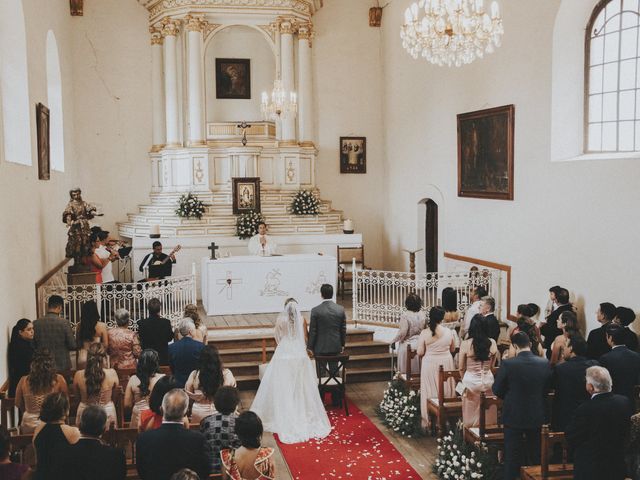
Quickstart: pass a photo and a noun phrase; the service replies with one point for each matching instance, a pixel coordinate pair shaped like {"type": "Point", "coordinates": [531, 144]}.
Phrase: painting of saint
{"type": "Point", "coordinates": [233, 78]}
{"type": "Point", "coordinates": [246, 194]}
{"type": "Point", "coordinates": [353, 155]}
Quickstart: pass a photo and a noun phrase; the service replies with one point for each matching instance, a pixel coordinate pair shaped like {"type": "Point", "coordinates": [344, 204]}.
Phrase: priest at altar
{"type": "Point", "coordinates": [261, 243]}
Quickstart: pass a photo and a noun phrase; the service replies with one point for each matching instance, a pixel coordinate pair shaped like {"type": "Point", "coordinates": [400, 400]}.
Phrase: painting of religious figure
{"type": "Point", "coordinates": [353, 155]}
{"type": "Point", "coordinates": [42, 131]}
{"type": "Point", "coordinates": [485, 153]}
{"type": "Point", "coordinates": [246, 194]}
{"type": "Point", "coordinates": [233, 78]}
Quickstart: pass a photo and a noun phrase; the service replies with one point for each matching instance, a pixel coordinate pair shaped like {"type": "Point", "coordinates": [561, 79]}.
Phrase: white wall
{"type": "Point", "coordinates": [571, 223]}
{"type": "Point", "coordinates": [239, 42]}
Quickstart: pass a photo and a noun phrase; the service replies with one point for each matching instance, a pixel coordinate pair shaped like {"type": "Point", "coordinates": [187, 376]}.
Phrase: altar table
{"type": "Point", "coordinates": [254, 284]}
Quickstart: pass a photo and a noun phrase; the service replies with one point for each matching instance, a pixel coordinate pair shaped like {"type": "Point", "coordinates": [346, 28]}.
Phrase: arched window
{"type": "Point", "coordinates": [612, 77]}
{"type": "Point", "coordinates": [54, 97]}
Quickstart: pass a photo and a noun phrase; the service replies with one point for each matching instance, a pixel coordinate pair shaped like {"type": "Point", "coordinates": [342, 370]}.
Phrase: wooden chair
{"type": "Point", "coordinates": [547, 470]}
{"type": "Point", "coordinates": [410, 379]}
{"type": "Point", "coordinates": [21, 449]}
{"type": "Point", "coordinates": [117, 396]}
{"type": "Point", "coordinates": [124, 438]}
{"type": "Point", "coordinates": [332, 376]}
{"type": "Point", "coordinates": [345, 261]}
{"type": "Point", "coordinates": [9, 418]}
{"type": "Point", "coordinates": [442, 408]}
{"type": "Point", "coordinates": [489, 434]}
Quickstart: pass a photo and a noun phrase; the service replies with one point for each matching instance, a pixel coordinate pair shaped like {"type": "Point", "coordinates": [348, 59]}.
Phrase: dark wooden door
{"type": "Point", "coordinates": [431, 236]}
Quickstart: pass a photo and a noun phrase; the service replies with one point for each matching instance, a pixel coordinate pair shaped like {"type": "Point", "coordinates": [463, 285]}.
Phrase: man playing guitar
{"type": "Point", "coordinates": [159, 264]}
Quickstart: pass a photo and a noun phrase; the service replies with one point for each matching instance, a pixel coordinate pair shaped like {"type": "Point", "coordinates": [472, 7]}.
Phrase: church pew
{"type": "Point", "coordinates": [21, 449]}
{"type": "Point", "coordinates": [410, 379]}
{"type": "Point", "coordinates": [546, 470]}
{"type": "Point", "coordinates": [442, 408]}
{"type": "Point", "coordinates": [489, 434]}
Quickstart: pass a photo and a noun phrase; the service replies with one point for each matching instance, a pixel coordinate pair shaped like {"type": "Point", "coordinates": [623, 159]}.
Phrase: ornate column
{"type": "Point", "coordinates": [170, 32]}
{"type": "Point", "coordinates": [287, 28]}
{"type": "Point", "coordinates": [195, 73]}
{"type": "Point", "coordinates": [157, 90]}
{"type": "Point", "coordinates": [305, 86]}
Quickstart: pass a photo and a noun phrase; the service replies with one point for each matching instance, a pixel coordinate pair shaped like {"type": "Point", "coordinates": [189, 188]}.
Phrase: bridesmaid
{"type": "Point", "coordinates": [91, 330]}
{"type": "Point", "coordinates": [141, 384]}
{"type": "Point", "coordinates": [411, 324]}
{"type": "Point", "coordinates": [435, 346]}
{"type": "Point", "coordinates": [20, 353]}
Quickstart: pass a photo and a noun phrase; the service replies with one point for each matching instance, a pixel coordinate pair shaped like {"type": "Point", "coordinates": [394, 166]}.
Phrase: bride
{"type": "Point", "coordinates": [288, 401]}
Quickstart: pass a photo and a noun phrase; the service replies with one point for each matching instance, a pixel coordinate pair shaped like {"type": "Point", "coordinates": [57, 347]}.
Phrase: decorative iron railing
{"type": "Point", "coordinates": [174, 293]}
{"type": "Point", "coordinates": [379, 296]}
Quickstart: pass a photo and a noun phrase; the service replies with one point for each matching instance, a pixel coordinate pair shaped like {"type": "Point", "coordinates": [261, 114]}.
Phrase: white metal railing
{"type": "Point", "coordinates": [173, 292]}
{"type": "Point", "coordinates": [379, 296]}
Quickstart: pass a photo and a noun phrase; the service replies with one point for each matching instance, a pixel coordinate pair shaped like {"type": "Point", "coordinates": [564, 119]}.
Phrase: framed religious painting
{"type": "Point", "coordinates": [246, 194]}
{"type": "Point", "coordinates": [485, 153]}
{"type": "Point", "coordinates": [42, 131]}
{"type": "Point", "coordinates": [353, 155]}
{"type": "Point", "coordinates": [233, 78]}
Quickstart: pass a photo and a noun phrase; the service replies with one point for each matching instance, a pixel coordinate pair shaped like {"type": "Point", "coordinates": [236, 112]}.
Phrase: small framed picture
{"type": "Point", "coordinates": [42, 131]}
{"type": "Point", "coordinates": [233, 78]}
{"type": "Point", "coordinates": [246, 194]}
{"type": "Point", "coordinates": [353, 155]}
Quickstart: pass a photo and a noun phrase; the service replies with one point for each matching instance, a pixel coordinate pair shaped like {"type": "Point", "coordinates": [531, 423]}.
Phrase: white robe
{"type": "Point", "coordinates": [256, 249]}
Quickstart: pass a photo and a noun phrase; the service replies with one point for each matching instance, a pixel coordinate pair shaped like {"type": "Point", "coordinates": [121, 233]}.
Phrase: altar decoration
{"type": "Point", "coordinates": [247, 224]}
{"type": "Point", "coordinates": [305, 203]}
{"type": "Point", "coordinates": [400, 409]}
{"type": "Point", "coordinates": [189, 206]}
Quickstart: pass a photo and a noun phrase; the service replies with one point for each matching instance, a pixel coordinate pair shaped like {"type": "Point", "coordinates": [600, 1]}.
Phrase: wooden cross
{"type": "Point", "coordinates": [213, 247]}
{"type": "Point", "coordinates": [244, 126]}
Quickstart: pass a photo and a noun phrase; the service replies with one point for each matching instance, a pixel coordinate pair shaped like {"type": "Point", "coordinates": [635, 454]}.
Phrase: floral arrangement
{"type": "Point", "coordinates": [247, 224]}
{"type": "Point", "coordinates": [189, 206]}
{"type": "Point", "coordinates": [400, 409]}
{"type": "Point", "coordinates": [460, 460]}
{"type": "Point", "coordinates": [305, 203]}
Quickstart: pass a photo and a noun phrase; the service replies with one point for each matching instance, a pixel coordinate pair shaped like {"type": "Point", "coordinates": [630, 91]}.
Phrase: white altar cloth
{"type": "Point", "coordinates": [253, 284]}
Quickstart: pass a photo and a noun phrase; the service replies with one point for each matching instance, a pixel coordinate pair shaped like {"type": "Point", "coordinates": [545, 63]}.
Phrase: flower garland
{"type": "Point", "coordinates": [189, 206]}
{"type": "Point", "coordinates": [400, 409]}
{"type": "Point", "coordinates": [247, 224]}
{"type": "Point", "coordinates": [460, 460]}
{"type": "Point", "coordinates": [305, 203]}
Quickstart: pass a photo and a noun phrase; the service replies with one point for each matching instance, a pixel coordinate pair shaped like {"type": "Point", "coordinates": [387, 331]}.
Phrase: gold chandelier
{"type": "Point", "coordinates": [451, 32]}
{"type": "Point", "coordinates": [280, 104]}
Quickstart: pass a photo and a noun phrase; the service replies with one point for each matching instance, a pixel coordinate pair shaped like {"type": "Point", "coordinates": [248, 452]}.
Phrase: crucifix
{"type": "Point", "coordinates": [76, 8]}
{"type": "Point", "coordinates": [228, 283]}
{"type": "Point", "coordinates": [244, 125]}
{"type": "Point", "coordinates": [213, 247]}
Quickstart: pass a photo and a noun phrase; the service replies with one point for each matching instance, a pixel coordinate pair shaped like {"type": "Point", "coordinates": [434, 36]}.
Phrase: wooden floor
{"type": "Point", "coordinates": [419, 452]}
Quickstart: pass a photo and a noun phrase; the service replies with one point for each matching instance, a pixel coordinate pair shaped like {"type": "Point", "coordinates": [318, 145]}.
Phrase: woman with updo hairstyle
{"type": "Point", "coordinates": [204, 382]}
{"type": "Point", "coordinates": [32, 389]}
{"type": "Point", "coordinates": [478, 354]}
{"type": "Point", "coordinates": [136, 395]}
{"type": "Point", "coordinates": [20, 353]}
{"type": "Point", "coordinates": [435, 347]}
{"type": "Point", "coordinates": [251, 461]}
{"type": "Point", "coordinates": [625, 317]}
{"type": "Point", "coordinates": [411, 323]}
{"type": "Point", "coordinates": [94, 385]}
{"type": "Point", "coordinates": [191, 311]}
{"type": "Point", "coordinates": [124, 344]}
{"type": "Point", "coordinates": [90, 330]}
{"type": "Point", "coordinates": [450, 305]}
{"type": "Point", "coordinates": [568, 323]}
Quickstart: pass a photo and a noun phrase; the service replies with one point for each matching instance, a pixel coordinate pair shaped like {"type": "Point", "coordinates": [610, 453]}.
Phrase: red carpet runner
{"type": "Point", "coordinates": [355, 450]}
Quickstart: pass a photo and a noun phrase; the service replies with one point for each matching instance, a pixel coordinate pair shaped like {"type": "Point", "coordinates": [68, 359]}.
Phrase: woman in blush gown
{"type": "Point", "coordinates": [288, 401]}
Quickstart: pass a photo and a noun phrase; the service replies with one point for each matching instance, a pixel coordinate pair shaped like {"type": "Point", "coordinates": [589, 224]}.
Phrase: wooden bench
{"type": "Point", "coordinates": [546, 470]}
{"type": "Point", "coordinates": [410, 379]}
{"type": "Point", "coordinates": [488, 434]}
{"type": "Point", "coordinates": [124, 438]}
{"type": "Point", "coordinates": [9, 415]}
{"type": "Point", "coordinates": [442, 408]}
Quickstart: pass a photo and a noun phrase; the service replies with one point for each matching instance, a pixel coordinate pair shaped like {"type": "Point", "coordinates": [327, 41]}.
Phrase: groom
{"type": "Point", "coordinates": [328, 328]}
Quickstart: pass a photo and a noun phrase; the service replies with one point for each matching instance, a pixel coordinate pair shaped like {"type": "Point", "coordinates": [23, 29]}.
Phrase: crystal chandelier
{"type": "Point", "coordinates": [451, 32]}
{"type": "Point", "coordinates": [280, 105]}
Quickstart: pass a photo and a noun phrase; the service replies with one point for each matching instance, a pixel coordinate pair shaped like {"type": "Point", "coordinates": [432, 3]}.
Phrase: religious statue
{"type": "Point", "coordinates": [76, 216]}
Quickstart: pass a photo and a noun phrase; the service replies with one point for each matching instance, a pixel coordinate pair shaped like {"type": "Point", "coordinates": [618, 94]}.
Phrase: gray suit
{"type": "Point", "coordinates": [328, 329]}
{"type": "Point", "coordinates": [54, 333]}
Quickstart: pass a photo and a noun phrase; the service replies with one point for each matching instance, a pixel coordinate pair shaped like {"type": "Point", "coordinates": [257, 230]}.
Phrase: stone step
{"type": "Point", "coordinates": [332, 219]}
{"type": "Point", "coordinates": [130, 230]}
{"type": "Point", "coordinates": [223, 343]}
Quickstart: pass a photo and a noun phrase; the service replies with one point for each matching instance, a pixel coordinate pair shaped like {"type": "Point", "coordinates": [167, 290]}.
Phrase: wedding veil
{"type": "Point", "coordinates": [289, 324]}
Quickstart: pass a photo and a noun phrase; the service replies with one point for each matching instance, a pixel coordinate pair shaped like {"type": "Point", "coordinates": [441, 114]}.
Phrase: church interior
{"type": "Point", "coordinates": [452, 167]}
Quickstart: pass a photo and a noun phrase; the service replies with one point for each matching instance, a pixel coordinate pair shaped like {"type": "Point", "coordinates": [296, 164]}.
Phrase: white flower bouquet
{"type": "Point", "coordinates": [459, 460]}
{"type": "Point", "coordinates": [247, 224]}
{"type": "Point", "coordinates": [189, 206]}
{"type": "Point", "coordinates": [305, 203]}
{"type": "Point", "coordinates": [400, 409]}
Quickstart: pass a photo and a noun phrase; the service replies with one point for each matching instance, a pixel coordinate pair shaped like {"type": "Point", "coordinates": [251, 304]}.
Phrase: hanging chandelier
{"type": "Point", "coordinates": [280, 104]}
{"type": "Point", "coordinates": [451, 32]}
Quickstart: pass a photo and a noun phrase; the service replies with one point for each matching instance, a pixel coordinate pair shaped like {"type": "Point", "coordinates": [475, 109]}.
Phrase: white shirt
{"type": "Point", "coordinates": [472, 311]}
{"type": "Point", "coordinates": [255, 248]}
{"type": "Point", "coordinates": [107, 270]}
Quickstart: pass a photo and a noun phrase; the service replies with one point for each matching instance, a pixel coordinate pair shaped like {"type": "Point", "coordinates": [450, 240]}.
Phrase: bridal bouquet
{"type": "Point", "coordinates": [247, 224]}
{"type": "Point", "coordinates": [189, 206]}
{"type": "Point", "coordinates": [305, 203]}
{"type": "Point", "coordinates": [400, 409]}
{"type": "Point", "coordinates": [459, 460]}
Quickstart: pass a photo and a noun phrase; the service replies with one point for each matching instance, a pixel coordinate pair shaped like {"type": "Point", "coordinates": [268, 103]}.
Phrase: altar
{"type": "Point", "coordinates": [253, 284]}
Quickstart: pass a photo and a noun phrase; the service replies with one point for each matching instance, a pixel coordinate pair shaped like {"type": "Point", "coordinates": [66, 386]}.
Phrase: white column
{"type": "Point", "coordinates": [170, 32]}
{"type": "Point", "coordinates": [286, 58]}
{"type": "Point", "coordinates": [195, 91]}
{"type": "Point", "coordinates": [305, 87]}
{"type": "Point", "coordinates": [157, 90]}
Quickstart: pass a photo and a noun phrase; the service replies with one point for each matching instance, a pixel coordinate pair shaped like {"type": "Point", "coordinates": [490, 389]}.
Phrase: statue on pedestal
{"type": "Point", "coordinates": [76, 216]}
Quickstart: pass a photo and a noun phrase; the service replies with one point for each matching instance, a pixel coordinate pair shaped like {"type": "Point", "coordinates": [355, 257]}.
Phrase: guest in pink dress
{"type": "Point", "coordinates": [411, 324]}
{"type": "Point", "coordinates": [435, 346]}
{"type": "Point", "coordinates": [124, 344]}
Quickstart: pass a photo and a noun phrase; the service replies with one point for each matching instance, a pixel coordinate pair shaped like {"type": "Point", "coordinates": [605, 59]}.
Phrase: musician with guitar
{"type": "Point", "coordinates": [159, 264]}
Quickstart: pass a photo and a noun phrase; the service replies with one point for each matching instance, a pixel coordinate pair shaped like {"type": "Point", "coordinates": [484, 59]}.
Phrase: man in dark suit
{"type": "Point", "coordinates": [155, 332]}
{"type": "Point", "coordinates": [159, 264]}
{"type": "Point", "coordinates": [568, 382]}
{"type": "Point", "coordinates": [599, 429]}
{"type": "Point", "coordinates": [162, 452]}
{"type": "Point", "coordinates": [522, 383]}
{"type": "Point", "coordinates": [487, 309]}
{"type": "Point", "coordinates": [550, 328]}
{"type": "Point", "coordinates": [90, 459]}
{"type": "Point", "coordinates": [184, 354]}
{"type": "Point", "coordinates": [623, 364]}
{"type": "Point", "coordinates": [53, 332]}
{"type": "Point", "coordinates": [625, 317]}
{"type": "Point", "coordinates": [597, 339]}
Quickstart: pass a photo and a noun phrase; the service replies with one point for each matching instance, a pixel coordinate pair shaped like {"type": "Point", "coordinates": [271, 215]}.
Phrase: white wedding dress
{"type": "Point", "coordinates": [288, 401]}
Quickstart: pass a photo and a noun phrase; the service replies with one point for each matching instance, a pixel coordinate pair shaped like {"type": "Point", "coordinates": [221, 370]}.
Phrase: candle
{"type": "Point", "coordinates": [348, 226]}
{"type": "Point", "coordinates": [154, 231]}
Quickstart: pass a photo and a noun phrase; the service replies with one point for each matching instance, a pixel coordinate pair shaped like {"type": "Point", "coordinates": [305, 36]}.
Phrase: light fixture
{"type": "Point", "coordinates": [280, 105]}
{"type": "Point", "coordinates": [451, 32]}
